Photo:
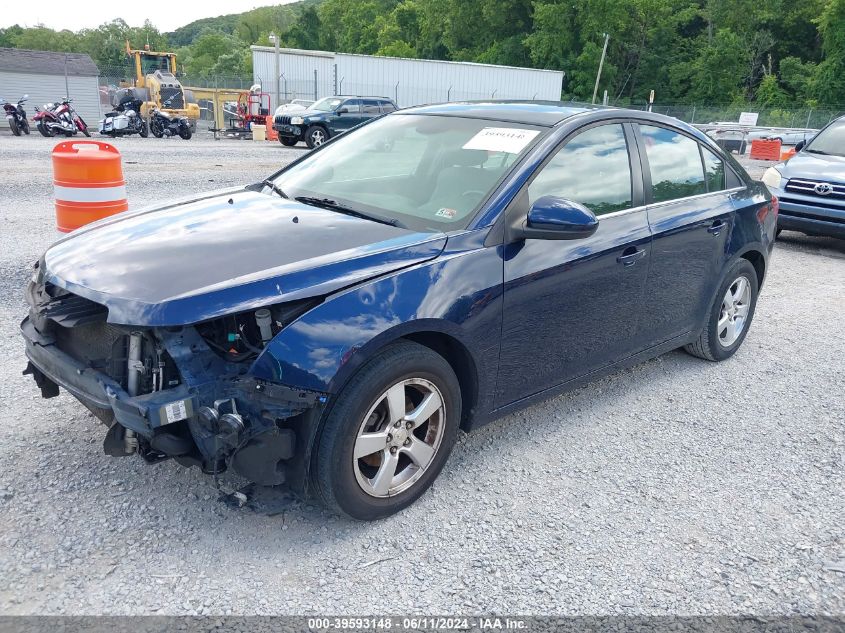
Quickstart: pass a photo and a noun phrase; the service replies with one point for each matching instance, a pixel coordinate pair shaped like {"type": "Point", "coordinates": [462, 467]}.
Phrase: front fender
{"type": "Point", "coordinates": [459, 295]}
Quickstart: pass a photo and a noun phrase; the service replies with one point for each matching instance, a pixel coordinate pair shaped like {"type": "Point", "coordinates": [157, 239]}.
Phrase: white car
{"type": "Point", "coordinates": [293, 105]}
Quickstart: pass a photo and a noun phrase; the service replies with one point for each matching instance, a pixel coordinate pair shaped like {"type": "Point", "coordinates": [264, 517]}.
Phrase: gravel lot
{"type": "Point", "coordinates": [677, 487]}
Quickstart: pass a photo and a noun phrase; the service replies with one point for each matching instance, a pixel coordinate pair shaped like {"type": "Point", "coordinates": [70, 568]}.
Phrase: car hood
{"type": "Point", "coordinates": [814, 167]}
{"type": "Point", "coordinates": [241, 250]}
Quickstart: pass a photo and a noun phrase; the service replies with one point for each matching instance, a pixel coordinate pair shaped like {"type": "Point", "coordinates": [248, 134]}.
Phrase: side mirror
{"type": "Point", "coordinates": [800, 145]}
{"type": "Point", "coordinates": [343, 110]}
{"type": "Point", "coordinates": [553, 218]}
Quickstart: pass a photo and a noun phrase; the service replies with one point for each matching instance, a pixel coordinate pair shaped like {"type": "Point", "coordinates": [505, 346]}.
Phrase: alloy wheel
{"type": "Point", "coordinates": [734, 311]}
{"type": "Point", "coordinates": [399, 437]}
{"type": "Point", "coordinates": [318, 138]}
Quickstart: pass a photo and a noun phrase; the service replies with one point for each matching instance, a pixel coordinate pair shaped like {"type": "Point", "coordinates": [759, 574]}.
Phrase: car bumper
{"type": "Point", "coordinates": [269, 448]}
{"type": "Point", "coordinates": [810, 215]}
{"type": "Point", "coordinates": [289, 131]}
{"type": "Point", "coordinates": [142, 414]}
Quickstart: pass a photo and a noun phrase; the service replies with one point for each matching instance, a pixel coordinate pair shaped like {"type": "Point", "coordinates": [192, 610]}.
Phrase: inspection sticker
{"type": "Point", "coordinates": [176, 411]}
{"type": "Point", "coordinates": [445, 212]}
{"type": "Point", "coordinates": [501, 139]}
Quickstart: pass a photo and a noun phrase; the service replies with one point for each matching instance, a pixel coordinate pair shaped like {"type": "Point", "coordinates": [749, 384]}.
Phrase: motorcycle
{"type": "Point", "coordinates": [164, 124]}
{"type": "Point", "coordinates": [16, 116]}
{"type": "Point", "coordinates": [126, 117]}
{"type": "Point", "coordinates": [59, 118]}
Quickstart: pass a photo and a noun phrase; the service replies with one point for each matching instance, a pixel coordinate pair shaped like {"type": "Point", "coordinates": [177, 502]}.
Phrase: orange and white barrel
{"type": "Point", "coordinates": [88, 183]}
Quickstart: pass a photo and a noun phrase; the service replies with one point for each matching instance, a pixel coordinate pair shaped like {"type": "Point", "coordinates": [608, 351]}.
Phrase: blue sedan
{"type": "Point", "coordinates": [331, 329]}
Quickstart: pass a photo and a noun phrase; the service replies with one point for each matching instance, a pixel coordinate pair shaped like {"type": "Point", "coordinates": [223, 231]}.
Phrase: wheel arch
{"type": "Point", "coordinates": [434, 334]}
{"type": "Point", "coordinates": [758, 260]}
{"type": "Point", "coordinates": [461, 361]}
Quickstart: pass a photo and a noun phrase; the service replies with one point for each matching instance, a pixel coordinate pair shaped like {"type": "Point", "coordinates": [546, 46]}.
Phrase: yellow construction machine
{"type": "Point", "coordinates": [155, 83]}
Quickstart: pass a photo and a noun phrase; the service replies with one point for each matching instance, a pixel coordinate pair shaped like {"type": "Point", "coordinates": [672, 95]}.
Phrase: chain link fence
{"type": "Point", "coordinates": [406, 92]}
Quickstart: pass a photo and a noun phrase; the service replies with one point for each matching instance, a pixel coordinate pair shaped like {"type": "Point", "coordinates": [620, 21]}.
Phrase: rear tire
{"type": "Point", "coordinates": [731, 314]}
{"type": "Point", "coordinates": [403, 461]}
{"type": "Point", "coordinates": [185, 132]}
{"type": "Point", "coordinates": [13, 126]}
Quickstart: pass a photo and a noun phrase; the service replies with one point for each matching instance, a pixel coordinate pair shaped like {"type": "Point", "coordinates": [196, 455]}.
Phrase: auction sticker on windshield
{"type": "Point", "coordinates": [501, 139]}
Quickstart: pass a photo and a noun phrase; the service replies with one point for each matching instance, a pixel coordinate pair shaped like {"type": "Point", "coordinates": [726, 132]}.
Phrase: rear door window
{"type": "Point", "coordinates": [370, 107]}
{"type": "Point", "coordinates": [675, 164]}
{"type": "Point", "coordinates": [593, 168]}
{"type": "Point", "coordinates": [714, 170]}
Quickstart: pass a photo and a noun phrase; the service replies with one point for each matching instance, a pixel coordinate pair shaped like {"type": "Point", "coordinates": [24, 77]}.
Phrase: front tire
{"type": "Point", "coordinates": [730, 314]}
{"type": "Point", "coordinates": [13, 125]}
{"type": "Point", "coordinates": [185, 132]}
{"type": "Point", "coordinates": [287, 141]}
{"type": "Point", "coordinates": [24, 125]}
{"type": "Point", "coordinates": [43, 129]}
{"type": "Point", "coordinates": [145, 130]}
{"type": "Point", "coordinates": [316, 136]}
{"type": "Point", "coordinates": [156, 128]}
{"type": "Point", "coordinates": [388, 433]}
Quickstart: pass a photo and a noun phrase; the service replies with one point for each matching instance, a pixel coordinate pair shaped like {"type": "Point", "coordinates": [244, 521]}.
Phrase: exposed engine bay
{"type": "Point", "coordinates": [175, 392]}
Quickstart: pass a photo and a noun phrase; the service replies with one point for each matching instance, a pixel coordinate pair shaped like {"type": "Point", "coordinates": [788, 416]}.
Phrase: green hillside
{"type": "Point", "coordinates": [778, 54]}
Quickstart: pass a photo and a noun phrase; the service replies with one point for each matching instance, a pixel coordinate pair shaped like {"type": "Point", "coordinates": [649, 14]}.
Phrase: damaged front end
{"type": "Point", "coordinates": [183, 392]}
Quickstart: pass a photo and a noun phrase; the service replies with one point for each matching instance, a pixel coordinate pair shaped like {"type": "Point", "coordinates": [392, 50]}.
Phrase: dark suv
{"type": "Point", "coordinates": [329, 117]}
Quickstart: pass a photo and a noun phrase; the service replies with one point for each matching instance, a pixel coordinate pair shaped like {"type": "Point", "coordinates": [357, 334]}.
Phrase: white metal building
{"type": "Point", "coordinates": [316, 74]}
{"type": "Point", "coordinates": [46, 76]}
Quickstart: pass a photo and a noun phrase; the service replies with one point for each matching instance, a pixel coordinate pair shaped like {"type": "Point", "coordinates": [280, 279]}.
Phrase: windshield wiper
{"type": "Point", "coordinates": [274, 187]}
{"type": "Point", "coordinates": [328, 203]}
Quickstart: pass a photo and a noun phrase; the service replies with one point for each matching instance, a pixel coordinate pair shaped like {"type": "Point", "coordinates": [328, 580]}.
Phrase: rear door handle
{"type": "Point", "coordinates": [716, 227]}
{"type": "Point", "coordinates": [630, 256]}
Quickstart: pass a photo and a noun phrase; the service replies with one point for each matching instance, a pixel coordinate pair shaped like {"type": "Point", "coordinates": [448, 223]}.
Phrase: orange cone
{"type": "Point", "coordinates": [88, 183]}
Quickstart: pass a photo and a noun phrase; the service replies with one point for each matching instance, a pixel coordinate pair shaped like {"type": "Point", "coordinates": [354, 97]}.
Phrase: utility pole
{"type": "Point", "coordinates": [601, 64]}
{"type": "Point", "coordinates": [275, 39]}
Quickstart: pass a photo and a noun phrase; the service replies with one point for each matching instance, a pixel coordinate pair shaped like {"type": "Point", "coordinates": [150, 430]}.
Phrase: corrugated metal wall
{"type": "Point", "coordinates": [408, 81]}
{"type": "Point", "coordinates": [47, 88]}
{"type": "Point", "coordinates": [297, 70]}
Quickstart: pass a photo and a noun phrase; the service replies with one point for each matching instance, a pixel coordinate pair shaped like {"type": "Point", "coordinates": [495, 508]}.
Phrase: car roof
{"type": "Point", "coordinates": [360, 97]}
{"type": "Point", "coordinates": [543, 113]}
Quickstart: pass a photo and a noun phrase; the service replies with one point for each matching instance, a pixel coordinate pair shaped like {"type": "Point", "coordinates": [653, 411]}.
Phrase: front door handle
{"type": "Point", "coordinates": [716, 227]}
{"type": "Point", "coordinates": [630, 256]}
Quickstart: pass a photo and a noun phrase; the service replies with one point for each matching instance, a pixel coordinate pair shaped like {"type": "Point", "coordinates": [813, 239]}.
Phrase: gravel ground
{"type": "Point", "coordinates": [676, 487]}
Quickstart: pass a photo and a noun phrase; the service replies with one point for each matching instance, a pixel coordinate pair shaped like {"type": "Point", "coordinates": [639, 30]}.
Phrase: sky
{"type": "Point", "coordinates": [167, 16]}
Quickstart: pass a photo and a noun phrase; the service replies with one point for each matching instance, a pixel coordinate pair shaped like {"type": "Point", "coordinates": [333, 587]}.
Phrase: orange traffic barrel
{"type": "Point", "coordinates": [272, 135]}
{"type": "Point", "coordinates": [88, 183]}
{"type": "Point", "coordinates": [765, 150]}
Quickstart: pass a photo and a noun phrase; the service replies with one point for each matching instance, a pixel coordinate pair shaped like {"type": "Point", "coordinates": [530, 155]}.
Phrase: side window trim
{"type": "Point", "coordinates": [646, 166]}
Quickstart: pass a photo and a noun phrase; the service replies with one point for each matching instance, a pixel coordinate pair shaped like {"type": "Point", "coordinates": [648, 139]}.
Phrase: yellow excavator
{"type": "Point", "coordinates": [156, 85]}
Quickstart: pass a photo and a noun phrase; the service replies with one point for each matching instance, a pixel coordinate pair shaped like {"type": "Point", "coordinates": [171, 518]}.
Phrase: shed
{"type": "Point", "coordinates": [316, 74]}
{"type": "Point", "coordinates": [47, 76]}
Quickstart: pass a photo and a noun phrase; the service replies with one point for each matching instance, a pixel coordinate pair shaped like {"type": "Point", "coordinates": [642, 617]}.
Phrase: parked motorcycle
{"type": "Point", "coordinates": [59, 118]}
{"type": "Point", "coordinates": [16, 116]}
{"type": "Point", "coordinates": [126, 117]}
{"type": "Point", "coordinates": [164, 124]}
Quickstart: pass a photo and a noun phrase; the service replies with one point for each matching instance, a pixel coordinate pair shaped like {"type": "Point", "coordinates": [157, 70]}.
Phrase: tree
{"type": "Point", "coordinates": [828, 84]}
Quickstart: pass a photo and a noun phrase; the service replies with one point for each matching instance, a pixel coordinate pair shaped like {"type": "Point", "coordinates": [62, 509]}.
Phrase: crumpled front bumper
{"type": "Point", "coordinates": [272, 446]}
{"type": "Point", "coordinates": [141, 414]}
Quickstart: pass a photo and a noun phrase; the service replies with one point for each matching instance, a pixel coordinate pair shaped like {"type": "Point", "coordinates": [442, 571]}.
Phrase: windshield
{"type": "Point", "coordinates": [326, 105]}
{"type": "Point", "coordinates": [830, 140]}
{"type": "Point", "coordinates": [428, 173]}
